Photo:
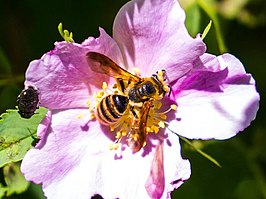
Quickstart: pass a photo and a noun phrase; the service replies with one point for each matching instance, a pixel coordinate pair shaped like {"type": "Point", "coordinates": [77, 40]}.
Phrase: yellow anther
{"type": "Point", "coordinates": [148, 129]}
{"type": "Point", "coordinates": [161, 124]}
{"type": "Point", "coordinates": [164, 117]}
{"type": "Point", "coordinates": [118, 135]}
{"type": "Point", "coordinates": [158, 105]}
{"type": "Point", "coordinates": [144, 144]}
{"type": "Point", "coordinates": [136, 137]}
{"type": "Point", "coordinates": [91, 109]}
{"type": "Point", "coordinates": [173, 107]}
{"type": "Point", "coordinates": [113, 146]}
{"type": "Point", "coordinates": [88, 103]}
{"type": "Point", "coordinates": [100, 94]}
{"type": "Point", "coordinates": [136, 71]}
{"type": "Point", "coordinates": [155, 129]}
{"type": "Point", "coordinates": [92, 116]}
{"type": "Point", "coordinates": [124, 133]}
{"type": "Point", "coordinates": [80, 116]}
{"type": "Point", "coordinates": [104, 86]}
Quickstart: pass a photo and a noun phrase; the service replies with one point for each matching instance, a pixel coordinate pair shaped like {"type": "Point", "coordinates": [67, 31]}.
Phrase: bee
{"type": "Point", "coordinates": [28, 101]}
{"type": "Point", "coordinates": [136, 95]}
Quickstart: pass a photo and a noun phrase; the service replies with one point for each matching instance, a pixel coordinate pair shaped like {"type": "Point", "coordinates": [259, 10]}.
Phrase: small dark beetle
{"type": "Point", "coordinates": [28, 101]}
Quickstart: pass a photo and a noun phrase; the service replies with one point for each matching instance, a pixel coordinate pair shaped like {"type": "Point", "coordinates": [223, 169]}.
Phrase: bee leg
{"type": "Point", "coordinates": [133, 111]}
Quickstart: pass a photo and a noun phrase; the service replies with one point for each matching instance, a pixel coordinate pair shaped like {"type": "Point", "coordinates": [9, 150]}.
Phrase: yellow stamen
{"type": "Point", "coordinates": [124, 133]}
{"type": "Point", "coordinates": [114, 146]}
{"type": "Point", "coordinates": [164, 117]}
{"type": "Point", "coordinates": [161, 124]}
{"type": "Point", "coordinates": [155, 129]}
{"type": "Point", "coordinates": [158, 105]}
{"type": "Point", "coordinates": [100, 94]}
{"type": "Point", "coordinates": [118, 135]}
{"type": "Point", "coordinates": [148, 129]}
{"type": "Point", "coordinates": [173, 107]}
{"type": "Point", "coordinates": [104, 86]}
{"type": "Point", "coordinates": [92, 116]}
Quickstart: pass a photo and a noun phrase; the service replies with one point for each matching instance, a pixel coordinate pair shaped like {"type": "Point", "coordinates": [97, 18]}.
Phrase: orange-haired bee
{"type": "Point", "coordinates": [136, 95]}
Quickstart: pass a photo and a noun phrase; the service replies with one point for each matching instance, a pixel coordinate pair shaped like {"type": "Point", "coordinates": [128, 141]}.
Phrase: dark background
{"type": "Point", "coordinates": [28, 29]}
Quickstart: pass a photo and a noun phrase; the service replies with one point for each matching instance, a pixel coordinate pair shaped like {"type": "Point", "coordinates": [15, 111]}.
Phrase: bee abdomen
{"type": "Point", "coordinates": [111, 109]}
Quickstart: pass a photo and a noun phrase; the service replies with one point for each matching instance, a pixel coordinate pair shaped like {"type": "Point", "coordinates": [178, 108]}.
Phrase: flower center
{"type": "Point", "coordinates": [131, 109]}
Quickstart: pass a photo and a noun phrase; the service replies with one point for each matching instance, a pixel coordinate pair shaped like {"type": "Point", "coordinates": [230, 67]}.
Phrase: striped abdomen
{"type": "Point", "coordinates": [111, 108]}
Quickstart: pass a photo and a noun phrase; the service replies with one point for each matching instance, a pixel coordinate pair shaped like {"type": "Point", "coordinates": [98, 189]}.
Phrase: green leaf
{"type": "Point", "coordinates": [200, 151]}
{"type": "Point", "coordinates": [3, 190]}
{"type": "Point", "coordinates": [68, 37]}
{"type": "Point", "coordinates": [17, 135]}
{"type": "Point", "coordinates": [15, 181]}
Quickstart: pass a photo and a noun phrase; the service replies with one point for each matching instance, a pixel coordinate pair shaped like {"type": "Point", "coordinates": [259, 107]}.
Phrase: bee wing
{"type": "Point", "coordinates": [139, 126]}
{"type": "Point", "coordinates": [102, 64]}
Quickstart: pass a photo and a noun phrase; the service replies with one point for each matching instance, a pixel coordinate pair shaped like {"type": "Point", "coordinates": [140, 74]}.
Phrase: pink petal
{"type": "Point", "coordinates": [74, 161]}
{"type": "Point", "coordinates": [63, 76]}
{"type": "Point", "coordinates": [207, 110]}
{"type": "Point", "coordinates": [152, 36]}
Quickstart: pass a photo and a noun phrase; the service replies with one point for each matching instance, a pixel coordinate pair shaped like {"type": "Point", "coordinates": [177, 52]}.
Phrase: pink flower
{"type": "Point", "coordinates": [215, 98]}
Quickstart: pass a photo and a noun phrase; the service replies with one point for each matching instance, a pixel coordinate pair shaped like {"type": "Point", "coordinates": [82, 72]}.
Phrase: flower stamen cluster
{"type": "Point", "coordinates": [123, 127]}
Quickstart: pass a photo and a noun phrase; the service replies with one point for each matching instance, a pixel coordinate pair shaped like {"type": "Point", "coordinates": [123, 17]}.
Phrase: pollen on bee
{"type": "Point", "coordinates": [160, 75]}
{"type": "Point", "coordinates": [166, 88]}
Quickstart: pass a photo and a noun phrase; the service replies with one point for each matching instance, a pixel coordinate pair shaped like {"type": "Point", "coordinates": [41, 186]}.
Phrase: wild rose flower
{"type": "Point", "coordinates": [214, 95]}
